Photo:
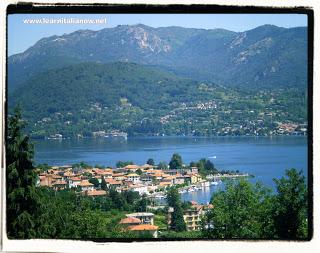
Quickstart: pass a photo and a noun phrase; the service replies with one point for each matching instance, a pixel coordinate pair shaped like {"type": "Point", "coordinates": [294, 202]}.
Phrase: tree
{"type": "Point", "coordinates": [94, 181]}
{"type": "Point", "coordinates": [206, 167]}
{"type": "Point", "coordinates": [150, 161]}
{"type": "Point", "coordinates": [83, 164]}
{"type": "Point", "coordinates": [22, 199]}
{"type": "Point", "coordinates": [118, 200]}
{"type": "Point", "coordinates": [43, 167]}
{"type": "Point", "coordinates": [193, 164]}
{"type": "Point", "coordinates": [121, 164]}
{"type": "Point", "coordinates": [209, 165]}
{"type": "Point", "coordinates": [243, 210]}
{"type": "Point", "coordinates": [173, 200]}
{"type": "Point", "coordinates": [162, 166]}
{"type": "Point", "coordinates": [175, 162]}
{"type": "Point", "coordinates": [142, 204]}
{"type": "Point", "coordinates": [103, 184]}
{"type": "Point", "coordinates": [290, 212]}
{"type": "Point", "coordinates": [139, 172]}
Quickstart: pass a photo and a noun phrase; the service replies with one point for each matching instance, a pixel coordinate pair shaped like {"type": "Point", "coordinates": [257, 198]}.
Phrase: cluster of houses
{"type": "Point", "coordinates": [140, 223]}
{"type": "Point", "coordinates": [192, 216]}
{"type": "Point", "coordinates": [144, 222]}
{"type": "Point", "coordinates": [145, 179]}
{"type": "Point", "coordinates": [292, 129]}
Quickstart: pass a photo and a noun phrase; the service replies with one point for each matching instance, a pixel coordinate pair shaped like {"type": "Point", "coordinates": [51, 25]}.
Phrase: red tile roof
{"type": "Point", "coordinates": [130, 220]}
{"type": "Point", "coordinates": [85, 183]}
{"type": "Point", "coordinates": [96, 193]}
{"type": "Point", "coordinates": [75, 179]}
{"type": "Point", "coordinates": [143, 227]}
{"type": "Point", "coordinates": [131, 167]}
{"type": "Point", "coordinates": [60, 182]}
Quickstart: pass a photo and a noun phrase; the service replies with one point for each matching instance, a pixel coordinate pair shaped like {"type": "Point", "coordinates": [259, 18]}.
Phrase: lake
{"type": "Point", "coordinates": [264, 157]}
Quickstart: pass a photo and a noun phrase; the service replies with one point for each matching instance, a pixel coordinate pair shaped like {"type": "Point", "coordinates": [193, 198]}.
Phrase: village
{"type": "Point", "coordinates": [147, 180]}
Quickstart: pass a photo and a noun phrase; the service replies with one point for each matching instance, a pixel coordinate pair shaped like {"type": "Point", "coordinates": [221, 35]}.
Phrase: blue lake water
{"type": "Point", "coordinates": [264, 157]}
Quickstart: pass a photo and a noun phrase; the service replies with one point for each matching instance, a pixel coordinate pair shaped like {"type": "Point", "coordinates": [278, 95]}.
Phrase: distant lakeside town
{"type": "Point", "coordinates": [282, 129]}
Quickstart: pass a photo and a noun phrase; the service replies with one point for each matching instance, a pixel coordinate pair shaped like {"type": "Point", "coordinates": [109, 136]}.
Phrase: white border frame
{"type": "Point", "coordinates": [178, 246]}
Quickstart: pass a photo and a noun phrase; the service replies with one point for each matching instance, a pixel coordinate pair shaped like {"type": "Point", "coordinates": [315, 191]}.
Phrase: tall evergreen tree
{"type": "Point", "coordinates": [22, 200]}
{"type": "Point", "coordinates": [103, 184]}
{"type": "Point", "coordinates": [177, 221]}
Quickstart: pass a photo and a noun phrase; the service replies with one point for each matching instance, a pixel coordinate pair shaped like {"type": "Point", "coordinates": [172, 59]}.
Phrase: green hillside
{"type": "Point", "coordinates": [85, 98]}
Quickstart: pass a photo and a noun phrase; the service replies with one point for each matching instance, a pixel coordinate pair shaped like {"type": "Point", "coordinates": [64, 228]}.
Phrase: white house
{"type": "Point", "coordinates": [74, 182]}
{"type": "Point", "coordinates": [142, 189]}
{"type": "Point", "coordinates": [135, 178]}
{"type": "Point", "coordinates": [86, 185]}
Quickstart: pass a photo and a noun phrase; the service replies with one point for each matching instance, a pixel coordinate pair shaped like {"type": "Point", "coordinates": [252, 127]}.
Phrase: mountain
{"type": "Point", "coordinates": [267, 56]}
{"type": "Point", "coordinates": [91, 98]}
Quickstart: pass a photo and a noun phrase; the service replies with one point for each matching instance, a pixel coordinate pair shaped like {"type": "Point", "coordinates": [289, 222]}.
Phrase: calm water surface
{"type": "Point", "coordinates": [265, 157]}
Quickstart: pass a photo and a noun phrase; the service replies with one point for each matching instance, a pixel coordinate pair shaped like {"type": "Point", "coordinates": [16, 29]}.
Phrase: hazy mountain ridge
{"type": "Point", "coordinates": [267, 56]}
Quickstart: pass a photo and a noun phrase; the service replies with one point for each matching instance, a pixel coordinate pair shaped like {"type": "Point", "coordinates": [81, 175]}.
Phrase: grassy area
{"type": "Point", "coordinates": [160, 220]}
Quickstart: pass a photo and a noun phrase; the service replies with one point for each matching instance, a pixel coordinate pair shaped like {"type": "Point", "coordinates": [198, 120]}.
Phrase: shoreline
{"type": "Point", "coordinates": [171, 137]}
{"type": "Point", "coordinates": [217, 181]}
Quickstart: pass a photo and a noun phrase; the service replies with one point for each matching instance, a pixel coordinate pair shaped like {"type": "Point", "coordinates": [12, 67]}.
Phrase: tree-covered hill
{"type": "Point", "coordinates": [84, 98]}
{"type": "Point", "coordinates": [78, 86]}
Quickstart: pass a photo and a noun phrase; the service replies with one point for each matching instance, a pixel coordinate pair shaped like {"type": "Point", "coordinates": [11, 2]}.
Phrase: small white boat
{"type": "Point", "coordinates": [214, 183]}
{"type": "Point", "coordinates": [191, 190]}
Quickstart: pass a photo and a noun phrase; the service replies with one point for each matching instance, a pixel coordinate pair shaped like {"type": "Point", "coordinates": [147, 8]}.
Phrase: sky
{"type": "Point", "coordinates": [21, 36]}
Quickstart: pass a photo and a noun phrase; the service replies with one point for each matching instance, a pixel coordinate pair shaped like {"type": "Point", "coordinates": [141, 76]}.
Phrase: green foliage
{"type": "Point", "coordinates": [290, 210]}
{"type": "Point", "coordinates": [248, 211]}
{"type": "Point", "coordinates": [82, 164]}
{"type": "Point", "coordinates": [103, 184]}
{"type": "Point", "coordinates": [239, 212]}
{"type": "Point", "coordinates": [193, 164]}
{"type": "Point", "coordinates": [65, 215]}
{"type": "Point", "coordinates": [162, 166]}
{"type": "Point", "coordinates": [121, 164]}
{"type": "Point", "coordinates": [115, 100]}
{"type": "Point", "coordinates": [206, 167]}
{"type": "Point", "coordinates": [22, 198]}
{"type": "Point", "coordinates": [186, 205]}
{"type": "Point", "coordinates": [141, 205]}
{"type": "Point", "coordinates": [150, 161]}
{"type": "Point", "coordinates": [173, 200]}
{"type": "Point", "coordinates": [160, 220]}
{"type": "Point", "coordinates": [175, 162]}
{"type": "Point", "coordinates": [94, 181]}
